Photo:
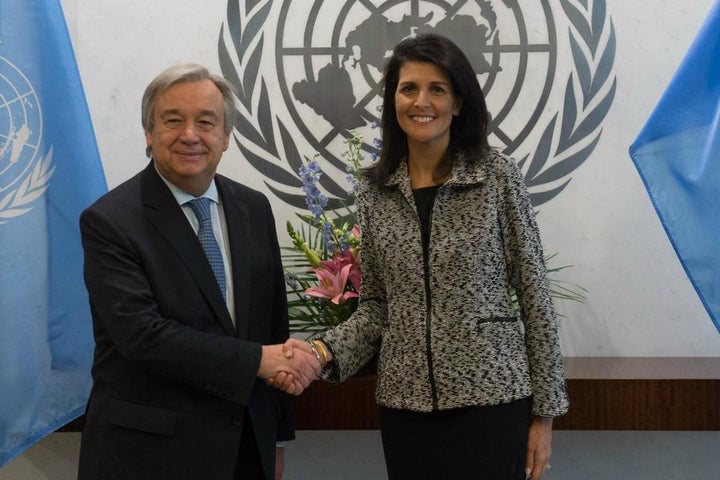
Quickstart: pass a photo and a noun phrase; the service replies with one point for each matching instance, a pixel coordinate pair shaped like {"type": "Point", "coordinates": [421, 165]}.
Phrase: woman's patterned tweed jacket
{"type": "Point", "coordinates": [446, 331]}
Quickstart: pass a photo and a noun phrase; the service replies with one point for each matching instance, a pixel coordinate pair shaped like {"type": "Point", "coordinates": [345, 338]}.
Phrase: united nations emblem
{"type": "Point", "coordinates": [309, 71]}
{"type": "Point", "coordinates": [24, 172]}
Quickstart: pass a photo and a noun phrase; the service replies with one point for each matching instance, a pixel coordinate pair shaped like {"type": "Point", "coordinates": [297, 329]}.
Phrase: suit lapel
{"type": "Point", "coordinates": [163, 211]}
{"type": "Point", "coordinates": [237, 219]}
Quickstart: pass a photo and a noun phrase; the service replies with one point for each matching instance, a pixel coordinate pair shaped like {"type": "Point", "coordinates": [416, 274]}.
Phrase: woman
{"type": "Point", "coordinates": [467, 388]}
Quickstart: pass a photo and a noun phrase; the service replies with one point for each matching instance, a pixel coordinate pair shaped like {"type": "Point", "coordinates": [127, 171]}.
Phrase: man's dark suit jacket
{"type": "Point", "coordinates": [172, 376]}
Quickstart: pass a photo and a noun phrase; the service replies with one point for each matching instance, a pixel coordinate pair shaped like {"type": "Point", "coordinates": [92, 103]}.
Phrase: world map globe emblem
{"type": "Point", "coordinates": [340, 63]}
{"type": "Point", "coordinates": [309, 77]}
{"type": "Point", "coordinates": [20, 127]}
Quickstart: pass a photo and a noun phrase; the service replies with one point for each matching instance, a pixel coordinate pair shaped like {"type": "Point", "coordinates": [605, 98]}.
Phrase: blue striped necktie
{"type": "Point", "coordinates": [201, 207]}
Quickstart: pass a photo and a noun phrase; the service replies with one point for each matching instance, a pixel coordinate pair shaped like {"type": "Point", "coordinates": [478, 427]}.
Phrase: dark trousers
{"type": "Point", "coordinates": [248, 465]}
{"type": "Point", "coordinates": [471, 443]}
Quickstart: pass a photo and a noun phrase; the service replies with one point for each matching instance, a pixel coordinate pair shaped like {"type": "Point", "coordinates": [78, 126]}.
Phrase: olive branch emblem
{"type": "Point", "coordinates": [16, 202]}
{"type": "Point", "coordinates": [566, 142]}
{"type": "Point", "coordinates": [245, 29]}
{"type": "Point", "coordinates": [581, 117]}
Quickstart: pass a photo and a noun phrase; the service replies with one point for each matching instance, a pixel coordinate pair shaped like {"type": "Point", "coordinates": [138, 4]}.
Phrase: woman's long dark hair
{"type": "Point", "coordinates": [468, 130]}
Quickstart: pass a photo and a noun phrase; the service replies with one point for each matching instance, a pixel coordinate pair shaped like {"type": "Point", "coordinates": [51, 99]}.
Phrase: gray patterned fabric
{"type": "Point", "coordinates": [450, 338]}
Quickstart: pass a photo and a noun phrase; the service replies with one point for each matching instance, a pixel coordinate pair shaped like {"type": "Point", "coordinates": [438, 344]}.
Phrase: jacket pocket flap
{"type": "Point", "coordinates": [138, 416]}
{"type": "Point", "coordinates": [498, 320]}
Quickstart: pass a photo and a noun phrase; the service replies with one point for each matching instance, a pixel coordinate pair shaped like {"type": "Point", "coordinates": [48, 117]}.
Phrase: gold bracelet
{"type": "Point", "coordinates": [316, 353]}
{"type": "Point", "coordinates": [323, 351]}
{"type": "Point", "coordinates": [319, 347]}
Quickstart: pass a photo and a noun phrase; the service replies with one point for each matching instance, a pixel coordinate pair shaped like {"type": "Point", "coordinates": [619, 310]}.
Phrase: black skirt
{"type": "Point", "coordinates": [478, 443]}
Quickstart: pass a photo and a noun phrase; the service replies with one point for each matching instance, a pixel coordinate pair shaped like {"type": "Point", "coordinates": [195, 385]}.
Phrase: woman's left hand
{"type": "Point", "coordinates": [539, 447]}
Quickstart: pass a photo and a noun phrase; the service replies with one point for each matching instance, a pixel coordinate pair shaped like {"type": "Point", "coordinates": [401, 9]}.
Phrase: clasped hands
{"type": "Point", "coordinates": [289, 366]}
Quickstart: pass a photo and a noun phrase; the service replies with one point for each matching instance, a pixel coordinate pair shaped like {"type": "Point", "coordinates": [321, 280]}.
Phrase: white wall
{"type": "Point", "coordinates": [639, 303]}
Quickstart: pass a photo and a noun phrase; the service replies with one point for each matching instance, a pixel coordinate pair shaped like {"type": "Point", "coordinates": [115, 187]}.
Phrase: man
{"type": "Point", "coordinates": [189, 307]}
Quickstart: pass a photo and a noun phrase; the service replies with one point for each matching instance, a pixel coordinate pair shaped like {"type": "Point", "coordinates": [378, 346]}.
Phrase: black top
{"type": "Point", "coordinates": [424, 200]}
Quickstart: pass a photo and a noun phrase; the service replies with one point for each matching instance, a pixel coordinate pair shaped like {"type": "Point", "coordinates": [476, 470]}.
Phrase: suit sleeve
{"type": "Point", "coordinates": [528, 276]}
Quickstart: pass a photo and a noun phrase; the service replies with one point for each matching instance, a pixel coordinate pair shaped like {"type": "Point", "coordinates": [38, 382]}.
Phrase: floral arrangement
{"type": "Point", "coordinates": [322, 267]}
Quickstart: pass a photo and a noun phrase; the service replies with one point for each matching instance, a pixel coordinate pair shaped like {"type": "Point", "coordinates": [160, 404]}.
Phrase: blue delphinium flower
{"type": "Point", "coordinates": [351, 179]}
{"type": "Point", "coordinates": [310, 175]}
{"type": "Point", "coordinates": [328, 234]}
{"type": "Point", "coordinates": [344, 245]}
{"type": "Point", "coordinates": [291, 280]}
{"type": "Point", "coordinates": [377, 143]}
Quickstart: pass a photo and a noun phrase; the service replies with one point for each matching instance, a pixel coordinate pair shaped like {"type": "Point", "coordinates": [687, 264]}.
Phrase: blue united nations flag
{"type": "Point", "coordinates": [678, 156]}
{"type": "Point", "coordinates": [49, 171]}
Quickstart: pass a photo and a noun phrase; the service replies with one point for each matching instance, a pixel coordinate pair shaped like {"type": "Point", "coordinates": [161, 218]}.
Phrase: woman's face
{"type": "Point", "coordinates": [425, 104]}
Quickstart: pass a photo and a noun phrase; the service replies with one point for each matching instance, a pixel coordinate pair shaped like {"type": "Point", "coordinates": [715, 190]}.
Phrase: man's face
{"type": "Point", "coordinates": [188, 136]}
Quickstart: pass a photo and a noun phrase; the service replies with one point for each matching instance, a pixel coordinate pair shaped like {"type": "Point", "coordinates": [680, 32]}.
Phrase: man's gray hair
{"type": "Point", "coordinates": [181, 73]}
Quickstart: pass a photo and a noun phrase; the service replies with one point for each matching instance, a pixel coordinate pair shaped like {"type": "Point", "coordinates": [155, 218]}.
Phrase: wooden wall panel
{"type": "Point", "coordinates": [596, 404]}
{"type": "Point", "coordinates": [642, 405]}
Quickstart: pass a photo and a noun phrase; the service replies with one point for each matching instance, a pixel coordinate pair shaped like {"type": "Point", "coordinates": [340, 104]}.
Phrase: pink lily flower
{"type": "Point", "coordinates": [332, 279]}
{"type": "Point", "coordinates": [341, 260]}
{"type": "Point", "coordinates": [354, 275]}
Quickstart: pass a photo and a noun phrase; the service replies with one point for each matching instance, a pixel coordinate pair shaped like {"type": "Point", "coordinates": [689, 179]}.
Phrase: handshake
{"type": "Point", "coordinates": [293, 365]}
